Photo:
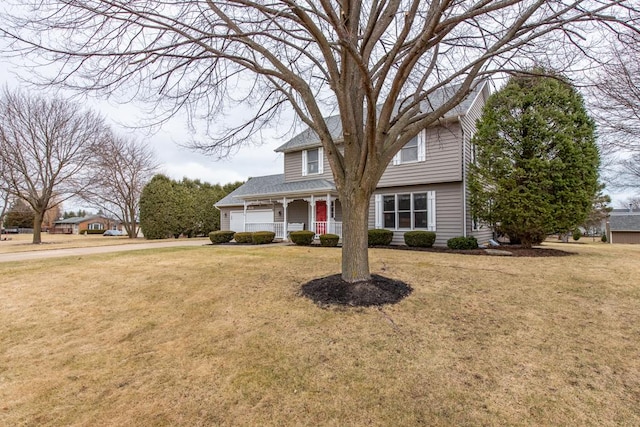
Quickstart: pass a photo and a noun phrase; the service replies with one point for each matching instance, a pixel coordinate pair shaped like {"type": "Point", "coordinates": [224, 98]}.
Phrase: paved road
{"type": "Point", "coordinates": [55, 253]}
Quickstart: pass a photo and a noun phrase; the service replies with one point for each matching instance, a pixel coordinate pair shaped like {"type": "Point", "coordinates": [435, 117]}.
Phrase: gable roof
{"type": "Point", "coordinates": [79, 219]}
{"type": "Point", "coordinates": [309, 138]}
{"type": "Point", "coordinates": [630, 222]}
{"type": "Point", "coordinates": [273, 186]}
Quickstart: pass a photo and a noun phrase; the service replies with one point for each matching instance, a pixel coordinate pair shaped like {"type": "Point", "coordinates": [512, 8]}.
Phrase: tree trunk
{"type": "Point", "coordinates": [355, 252]}
{"type": "Point", "coordinates": [37, 227]}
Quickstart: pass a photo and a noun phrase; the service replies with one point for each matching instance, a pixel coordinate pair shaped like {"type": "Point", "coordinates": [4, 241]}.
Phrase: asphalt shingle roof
{"type": "Point", "coordinates": [271, 186]}
{"type": "Point", "coordinates": [630, 222]}
{"type": "Point", "coordinates": [78, 219]}
{"type": "Point", "coordinates": [309, 138]}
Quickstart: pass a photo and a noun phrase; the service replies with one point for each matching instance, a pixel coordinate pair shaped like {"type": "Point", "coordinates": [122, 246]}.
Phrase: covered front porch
{"type": "Point", "coordinates": [319, 213]}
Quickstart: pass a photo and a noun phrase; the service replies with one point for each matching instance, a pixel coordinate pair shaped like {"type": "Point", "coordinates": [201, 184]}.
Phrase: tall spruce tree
{"type": "Point", "coordinates": [536, 169]}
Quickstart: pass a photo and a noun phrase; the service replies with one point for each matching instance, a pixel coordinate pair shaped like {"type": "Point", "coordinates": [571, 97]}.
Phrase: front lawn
{"type": "Point", "coordinates": [219, 335]}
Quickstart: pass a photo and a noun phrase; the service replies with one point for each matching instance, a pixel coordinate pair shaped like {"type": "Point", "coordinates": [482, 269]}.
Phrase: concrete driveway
{"type": "Point", "coordinates": [55, 253]}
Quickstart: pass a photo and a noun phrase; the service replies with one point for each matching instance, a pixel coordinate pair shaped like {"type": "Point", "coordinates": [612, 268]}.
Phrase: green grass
{"type": "Point", "coordinates": [220, 336]}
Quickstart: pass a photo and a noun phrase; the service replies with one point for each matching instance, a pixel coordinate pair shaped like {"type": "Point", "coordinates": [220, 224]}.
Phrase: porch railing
{"type": "Point", "coordinates": [276, 227]}
{"type": "Point", "coordinates": [322, 227]}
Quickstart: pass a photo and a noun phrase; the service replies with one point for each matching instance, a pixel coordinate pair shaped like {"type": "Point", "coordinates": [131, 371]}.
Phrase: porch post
{"type": "Point", "coordinates": [329, 230]}
{"type": "Point", "coordinates": [244, 217]}
{"type": "Point", "coordinates": [284, 212]}
{"type": "Point", "coordinates": [312, 226]}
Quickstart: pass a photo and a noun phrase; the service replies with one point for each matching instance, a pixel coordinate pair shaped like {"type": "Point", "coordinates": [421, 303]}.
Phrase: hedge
{"type": "Point", "coordinates": [329, 240]}
{"type": "Point", "coordinates": [221, 236]}
{"type": "Point", "coordinates": [302, 237]}
{"type": "Point", "coordinates": [262, 237]}
{"type": "Point", "coordinates": [419, 238]}
{"type": "Point", "coordinates": [380, 237]}
{"type": "Point", "coordinates": [243, 237]}
{"type": "Point", "coordinates": [462, 243]}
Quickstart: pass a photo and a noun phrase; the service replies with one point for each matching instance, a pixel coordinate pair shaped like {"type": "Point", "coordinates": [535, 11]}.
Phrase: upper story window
{"type": "Point", "coordinates": [312, 161]}
{"type": "Point", "coordinates": [413, 151]}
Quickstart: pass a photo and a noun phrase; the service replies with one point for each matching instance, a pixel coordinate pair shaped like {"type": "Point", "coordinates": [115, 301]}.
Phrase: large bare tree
{"type": "Point", "coordinates": [46, 146]}
{"type": "Point", "coordinates": [123, 167]}
{"type": "Point", "coordinates": [373, 62]}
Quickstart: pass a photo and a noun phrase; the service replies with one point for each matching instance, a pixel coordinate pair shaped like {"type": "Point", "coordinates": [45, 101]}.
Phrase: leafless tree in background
{"type": "Point", "coordinates": [46, 146]}
{"type": "Point", "coordinates": [616, 99]}
{"type": "Point", "coordinates": [616, 103]}
{"type": "Point", "coordinates": [375, 63]}
{"type": "Point", "coordinates": [123, 167]}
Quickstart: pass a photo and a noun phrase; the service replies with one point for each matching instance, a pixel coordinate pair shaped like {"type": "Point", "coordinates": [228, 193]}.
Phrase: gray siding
{"type": "Point", "coordinates": [442, 164]}
{"type": "Point", "coordinates": [293, 168]}
{"type": "Point", "coordinates": [298, 211]}
{"type": "Point", "coordinates": [448, 210]}
{"type": "Point", "coordinates": [469, 128]}
{"type": "Point", "coordinates": [225, 218]}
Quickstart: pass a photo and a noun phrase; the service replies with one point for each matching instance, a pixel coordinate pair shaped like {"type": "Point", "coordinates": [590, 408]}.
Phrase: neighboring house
{"type": "Point", "coordinates": [423, 188]}
{"type": "Point", "coordinates": [77, 225]}
{"type": "Point", "coordinates": [624, 226]}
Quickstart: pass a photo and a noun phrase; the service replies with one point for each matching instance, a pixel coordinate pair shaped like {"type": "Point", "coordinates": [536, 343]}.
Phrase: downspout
{"type": "Point", "coordinates": [464, 181]}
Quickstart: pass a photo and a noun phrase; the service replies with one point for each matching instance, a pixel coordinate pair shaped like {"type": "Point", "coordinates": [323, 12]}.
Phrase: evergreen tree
{"type": "Point", "coordinates": [157, 208]}
{"type": "Point", "coordinates": [19, 215]}
{"type": "Point", "coordinates": [536, 169]}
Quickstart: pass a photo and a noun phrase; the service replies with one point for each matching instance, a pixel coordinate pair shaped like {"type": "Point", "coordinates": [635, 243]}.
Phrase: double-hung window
{"type": "Point", "coordinates": [312, 162]}
{"type": "Point", "coordinates": [413, 151]}
{"type": "Point", "coordinates": [406, 211]}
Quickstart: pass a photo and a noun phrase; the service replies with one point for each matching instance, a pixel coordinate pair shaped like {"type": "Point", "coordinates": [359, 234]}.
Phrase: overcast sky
{"type": "Point", "coordinates": [176, 161]}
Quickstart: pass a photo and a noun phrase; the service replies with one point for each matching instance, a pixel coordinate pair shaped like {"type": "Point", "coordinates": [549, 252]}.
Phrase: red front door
{"type": "Point", "coordinates": [321, 217]}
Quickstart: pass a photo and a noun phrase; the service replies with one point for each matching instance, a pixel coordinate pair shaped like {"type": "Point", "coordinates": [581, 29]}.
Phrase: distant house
{"type": "Point", "coordinates": [423, 188]}
{"type": "Point", "coordinates": [624, 226]}
{"type": "Point", "coordinates": [77, 225]}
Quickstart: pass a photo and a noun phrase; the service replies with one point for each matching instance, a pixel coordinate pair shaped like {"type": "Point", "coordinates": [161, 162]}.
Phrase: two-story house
{"type": "Point", "coordinates": [423, 188]}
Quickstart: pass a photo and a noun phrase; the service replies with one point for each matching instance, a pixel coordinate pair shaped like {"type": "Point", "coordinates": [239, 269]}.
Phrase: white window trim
{"type": "Point", "coordinates": [431, 210]}
{"type": "Point", "coordinates": [422, 150]}
{"type": "Point", "coordinates": [305, 165]}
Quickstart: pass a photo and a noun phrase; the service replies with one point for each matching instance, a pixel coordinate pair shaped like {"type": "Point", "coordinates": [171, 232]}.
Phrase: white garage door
{"type": "Point", "coordinates": [237, 221]}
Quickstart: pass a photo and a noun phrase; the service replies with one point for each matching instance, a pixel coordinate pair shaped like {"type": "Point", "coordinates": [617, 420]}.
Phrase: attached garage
{"type": "Point", "coordinates": [253, 216]}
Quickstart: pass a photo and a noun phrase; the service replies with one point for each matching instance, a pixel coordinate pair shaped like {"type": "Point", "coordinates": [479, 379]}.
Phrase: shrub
{"type": "Point", "coordinates": [380, 237]}
{"type": "Point", "coordinates": [577, 234]}
{"type": "Point", "coordinates": [302, 237]}
{"type": "Point", "coordinates": [604, 238]}
{"type": "Point", "coordinates": [262, 237]}
{"type": "Point", "coordinates": [221, 236]}
{"type": "Point", "coordinates": [329, 240]}
{"type": "Point", "coordinates": [462, 243]}
{"type": "Point", "coordinates": [243, 237]}
{"type": "Point", "coordinates": [419, 238]}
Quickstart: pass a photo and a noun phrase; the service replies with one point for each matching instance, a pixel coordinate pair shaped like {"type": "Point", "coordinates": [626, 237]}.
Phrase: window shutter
{"type": "Point", "coordinates": [422, 146]}
{"type": "Point", "coordinates": [304, 162]}
{"type": "Point", "coordinates": [397, 158]}
{"type": "Point", "coordinates": [378, 211]}
{"type": "Point", "coordinates": [431, 210]}
{"type": "Point", "coordinates": [320, 160]}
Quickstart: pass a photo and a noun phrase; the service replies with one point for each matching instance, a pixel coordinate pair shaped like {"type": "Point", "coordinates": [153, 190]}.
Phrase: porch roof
{"type": "Point", "coordinates": [274, 186]}
{"type": "Point", "coordinates": [309, 138]}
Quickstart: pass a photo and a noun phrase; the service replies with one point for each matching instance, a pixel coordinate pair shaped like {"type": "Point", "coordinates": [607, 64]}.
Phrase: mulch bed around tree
{"type": "Point", "coordinates": [332, 290]}
{"type": "Point", "coordinates": [515, 250]}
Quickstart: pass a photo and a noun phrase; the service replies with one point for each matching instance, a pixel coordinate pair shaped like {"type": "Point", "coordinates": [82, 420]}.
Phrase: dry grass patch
{"type": "Point", "coordinates": [22, 242]}
{"type": "Point", "coordinates": [220, 336]}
